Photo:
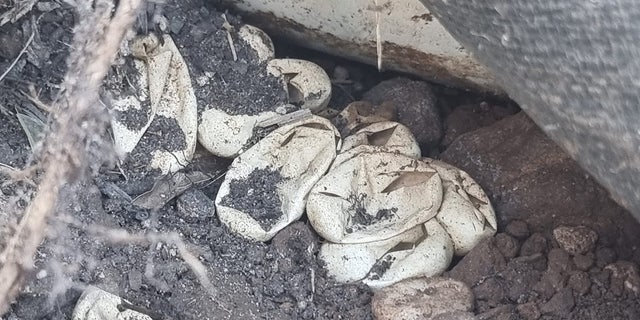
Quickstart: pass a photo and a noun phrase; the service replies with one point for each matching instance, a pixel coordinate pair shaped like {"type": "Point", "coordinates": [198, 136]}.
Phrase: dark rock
{"type": "Point", "coordinates": [559, 260]}
{"type": "Point", "coordinates": [295, 246]}
{"type": "Point", "coordinates": [580, 283]}
{"type": "Point", "coordinates": [529, 311]}
{"type": "Point", "coordinates": [193, 204]}
{"type": "Point", "coordinates": [537, 261]}
{"type": "Point", "coordinates": [518, 229]}
{"type": "Point", "coordinates": [504, 312]}
{"type": "Point", "coordinates": [605, 256]}
{"type": "Point", "coordinates": [529, 178]}
{"type": "Point", "coordinates": [467, 118]}
{"type": "Point", "coordinates": [536, 243]}
{"type": "Point", "coordinates": [416, 107]}
{"type": "Point", "coordinates": [455, 315]}
{"type": "Point", "coordinates": [519, 277]}
{"type": "Point", "coordinates": [507, 245]}
{"type": "Point", "coordinates": [11, 39]}
{"type": "Point", "coordinates": [583, 262]}
{"type": "Point", "coordinates": [560, 304]}
{"type": "Point", "coordinates": [551, 282]}
{"type": "Point", "coordinates": [491, 290]}
{"type": "Point", "coordinates": [485, 259]}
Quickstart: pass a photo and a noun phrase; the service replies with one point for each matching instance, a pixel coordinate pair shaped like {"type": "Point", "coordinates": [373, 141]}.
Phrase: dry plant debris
{"type": "Point", "coordinates": [78, 123]}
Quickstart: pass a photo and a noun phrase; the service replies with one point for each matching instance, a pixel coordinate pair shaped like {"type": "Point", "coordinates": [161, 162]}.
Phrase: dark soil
{"type": "Point", "coordinates": [95, 237]}
{"type": "Point", "coordinates": [267, 208]}
{"type": "Point", "coordinates": [203, 43]}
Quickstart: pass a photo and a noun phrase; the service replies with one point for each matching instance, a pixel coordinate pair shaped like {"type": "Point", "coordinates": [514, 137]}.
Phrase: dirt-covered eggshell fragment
{"type": "Point", "coordinates": [311, 83]}
{"type": "Point", "coordinates": [97, 304]}
{"type": "Point", "coordinates": [372, 197]}
{"type": "Point", "coordinates": [133, 111]}
{"type": "Point", "coordinates": [161, 74]}
{"type": "Point", "coordinates": [225, 135]}
{"type": "Point", "coordinates": [259, 41]}
{"type": "Point", "coordinates": [266, 186]}
{"type": "Point", "coordinates": [360, 114]}
{"type": "Point", "coordinates": [387, 136]}
{"type": "Point", "coordinates": [466, 212]}
{"type": "Point", "coordinates": [424, 250]}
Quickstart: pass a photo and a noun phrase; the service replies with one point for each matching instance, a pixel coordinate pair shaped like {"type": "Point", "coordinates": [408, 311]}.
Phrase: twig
{"type": "Point", "coordinates": [227, 26]}
{"type": "Point", "coordinates": [15, 61]}
{"type": "Point", "coordinates": [378, 37]}
{"type": "Point", "coordinates": [281, 120]}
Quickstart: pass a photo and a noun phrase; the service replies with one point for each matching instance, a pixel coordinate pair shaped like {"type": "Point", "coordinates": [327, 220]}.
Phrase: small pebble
{"type": "Point", "coordinates": [605, 256]}
{"type": "Point", "coordinates": [518, 229]}
{"type": "Point", "coordinates": [412, 299]}
{"type": "Point", "coordinates": [135, 280]}
{"type": "Point", "coordinates": [529, 311]}
{"type": "Point", "coordinates": [580, 283]}
{"type": "Point", "coordinates": [560, 304]}
{"type": "Point", "coordinates": [340, 73]}
{"type": "Point", "coordinates": [536, 243]}
{"type": "Point", "coordinates": [583, 262]}
{"type": "Point", "coordinates": [41, 274]}
{"type": "Point", "coordinates": [576, 240]}
{"type": "Point", "coordinates": [559, 260]}
{"type": "Point", "coordinates": [507, 245]}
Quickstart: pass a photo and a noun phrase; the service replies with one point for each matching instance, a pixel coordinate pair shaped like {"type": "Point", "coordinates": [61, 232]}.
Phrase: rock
{"type": "Point", "coordinates": [295, 245]}
{"type": "Point", "coordinates": [484, 259]}
{"type": "Point", "coordinates": [580, 283]}
{"type": "Point", "coordinates": [416, 108]}
{"type": "Point", "coordinates": [519, 277]}
{"type": "Point", "coordinates": [96, 304]}
{"type": "Point", "coordinates": [503, 312]}
{"type": "Point", "coordinates": [536, 243]}
{"type": "Point", "coordinates": [467, 118]}
{"type": "Point", "coordinates": [11, 39]}
{"type": "Point", "coordinates": [559, 260]}
{"type": "Point", "coordinates": [455, 315]}
{"type": "Point", "coordinates": [492, 290]}
{"type": "Point", "coordinates": [135, 280]}
{"type": "Point", "coordinates": [518, 229]}
{"type": "Point", "coordinates": [583, 262]}
{"type": "Point", "coordinates": [529, 178]}
{"type": "Point", "coordinates": [560, 304]}
{"type": "Point", "coordinates": [551, 282]}
{"type": "Point", "coordinates": [576, 240]}
{"type": "Point", "coordinates": [422, 298]}
{"type": "Point", "coordinates": [624, 278]}
{"type": "Point", "coordinates": [194, 204]}
{"type": "Point", "coordinates": [605, 256]}
{"type": "Point", "coordinates": [507, 245]}
{"type": "Point", "coordinates": [529, 311]}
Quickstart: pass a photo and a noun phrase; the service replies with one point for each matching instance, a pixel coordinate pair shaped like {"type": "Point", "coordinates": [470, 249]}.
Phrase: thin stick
{"type": "Point", "coordinates": [378, 37]}
{"type": "Point", "coordinates": [227, 26]}
{"type": "Point", "coordinates": [15, 61]}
